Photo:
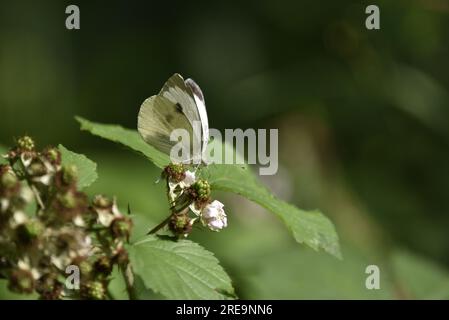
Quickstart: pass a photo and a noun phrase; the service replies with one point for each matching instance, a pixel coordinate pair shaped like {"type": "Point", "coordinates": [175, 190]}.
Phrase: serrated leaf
{"type": "Point", "coordinates": [309, 227]}
{"type": "Point", "coordinates": [87, 169]}
{"type": "Point", "coordinates": [179, 269]}
{"type": "Point", "coordinates": [127, 137]}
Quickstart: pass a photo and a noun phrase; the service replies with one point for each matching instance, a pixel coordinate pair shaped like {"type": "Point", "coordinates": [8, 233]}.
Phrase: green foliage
{"type": "Point", "coordinates": [420, 278]}
{"type": "Point", "coordinates": [3, 151]}
{"type": "Point", "coordinates": [6, 294]}
{"type": "Point", "coordinates": [309, 227]}
{"type": "Point", "coordinates": [179, 269]}
{"type": "Point", "coordinates": [126, 137]}
{"type": "Point", "coordinates": [87, 169]}
{"type": "Point", "coordinates": [302, 274]}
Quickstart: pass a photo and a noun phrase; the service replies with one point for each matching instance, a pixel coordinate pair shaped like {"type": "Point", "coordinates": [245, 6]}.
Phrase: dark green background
{"type": "Point", "coordinates": [363, 120]}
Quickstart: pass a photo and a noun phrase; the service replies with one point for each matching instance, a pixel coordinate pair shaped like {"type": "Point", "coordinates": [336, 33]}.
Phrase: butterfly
{"type": "Point", "coordinates": [179, 105]}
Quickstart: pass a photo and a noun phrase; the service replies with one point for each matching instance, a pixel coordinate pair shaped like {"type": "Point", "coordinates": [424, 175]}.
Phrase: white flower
{"type": "Point", "coordinates": [189, 179]}
{"type": "Point", "coordinates": [194, 209]}
{"type": "Point", "coordinates": [4, 204]}
{"type": "Point", "coordinates": [18, 218]}
{"type": "Point", "coordinates": [107, 215]}
{"type": "Point", "coordinates": [176, 189]}
{"type": "Point", "coordinates": [78, 221]}
{"type": "Point", "coordinates": [214, 216]}
{"type": "Point", "coordinates": [26, 159]}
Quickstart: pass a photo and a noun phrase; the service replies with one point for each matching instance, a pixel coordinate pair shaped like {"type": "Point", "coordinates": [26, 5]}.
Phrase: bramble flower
{"type": "Point", "coordinates": [107, 210]}
{"type": "Point", "coordinates": [103, 207]}
{"type": "Point", "coordinates": [178, 182]}
{"type": "Point", "coordinates": [214, 216]}
{"type": "Point", "coordinates": [64, 229]}
{"type": "Point", "coordinates": [189, 178]}
{"type": "Point", "coordinates": [187, 193]}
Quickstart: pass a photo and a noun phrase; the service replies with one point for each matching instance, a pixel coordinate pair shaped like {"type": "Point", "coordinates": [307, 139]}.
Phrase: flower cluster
{"type": "Point", "coordinates": [47, 225]}
{"type": "Point", "coordinates": [188, 194]}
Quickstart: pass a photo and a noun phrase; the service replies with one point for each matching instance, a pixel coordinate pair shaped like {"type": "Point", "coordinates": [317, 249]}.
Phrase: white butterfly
{"type": "Point", "coordinates": [179, 105]}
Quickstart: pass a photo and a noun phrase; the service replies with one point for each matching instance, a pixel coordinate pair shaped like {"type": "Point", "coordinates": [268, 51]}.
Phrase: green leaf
{"type": "Point", "coordinates": [179, 269]}
{"type": "Point", "coordinates": [87, 169]}
{"type": "Point", "coordinates": [309, 227]}
{"type": "Point", "coordinates": [420, 278]}
{"type": "Point", "coordinates": [127, 137]}
{"type": "Point", "coordinates": [5, 294]}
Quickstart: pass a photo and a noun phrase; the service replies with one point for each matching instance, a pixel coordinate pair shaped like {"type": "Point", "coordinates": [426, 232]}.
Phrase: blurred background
{"type": "Point", "coordinates": [363, 119]}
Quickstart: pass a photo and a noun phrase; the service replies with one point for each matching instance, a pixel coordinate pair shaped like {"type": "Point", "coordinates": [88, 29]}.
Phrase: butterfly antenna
{"type": "Point", "coordinates": [129, 209]}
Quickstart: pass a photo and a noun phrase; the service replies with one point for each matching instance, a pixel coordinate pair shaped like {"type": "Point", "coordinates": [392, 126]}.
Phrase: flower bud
{"type": "Point", "coordinates": [103, 266]}
{"type": "Point", "coordinates": [200, 193]}
{"type": "Point", "coordinates": [9, 186]}
{"type": "Point", "coordinates": [52, 155]}
{"type": "Point", "coordinates": [102, 202]}
{"type": "Point", "coordinates": [93, 290]}
{"type": "Point", "coordinates": [201, 190]}
{"type": "Point", "coordinates": [29, 231]}
{"type": "Point", "coordinates": [21, 281]}
{"type": "Point", "coordinates": [68, 205]}
{"type": "Point", "coordinates": [180, 224]}
{"type": "Point", "coordinates": [174, 172]}
{"type": "Point", "coordinates": [121, 227]}
{"type": "Point", "coordinates": [26, 143]}
{"type": "Point", "coordinates": [84, 265]}
{"type": "Point", "coordinates": [37, 169]}
{"type": "Point", "coordinates": [69, 174]}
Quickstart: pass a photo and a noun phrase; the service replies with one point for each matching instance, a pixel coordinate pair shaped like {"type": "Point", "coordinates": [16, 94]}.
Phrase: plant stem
{"type": "Point", "coordinates": [128, 276]}
{"type": "Point", "coordinates": [37, 196]}
{"type": "Point", "coordinates": [160, 225]}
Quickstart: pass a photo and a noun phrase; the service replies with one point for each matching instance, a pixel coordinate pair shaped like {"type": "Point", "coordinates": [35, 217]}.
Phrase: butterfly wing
{"type": "Point", "coordinates": [158, 117]}
{"type": "Point", "coordinates": [179, 104]}
{"type": "Point", "coordinates": [201, 107]}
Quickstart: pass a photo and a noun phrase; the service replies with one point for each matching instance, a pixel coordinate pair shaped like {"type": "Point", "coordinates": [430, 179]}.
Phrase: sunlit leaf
{"type": "Point", "coordinates": [87, 169]}
{"type": "Point", "coordinates": [179, 269]}
{"type": "Point", "coordinates": [308, 227]}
